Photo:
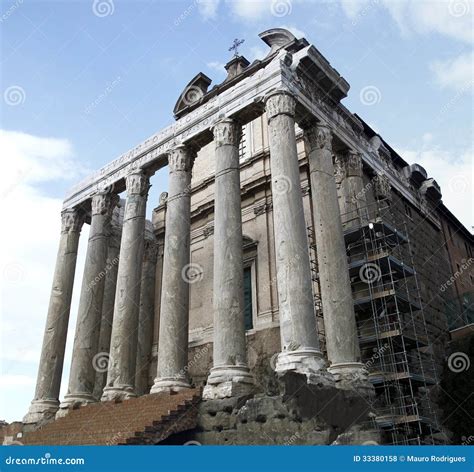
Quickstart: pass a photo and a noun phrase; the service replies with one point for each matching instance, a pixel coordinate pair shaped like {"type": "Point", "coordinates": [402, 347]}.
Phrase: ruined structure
{"type": "Point", "coordinates": [287, 272]}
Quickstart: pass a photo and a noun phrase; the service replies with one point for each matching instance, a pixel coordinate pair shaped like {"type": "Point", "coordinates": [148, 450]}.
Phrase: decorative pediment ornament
{"type": "Point", "coordinates": [192, 93]}
{"type": "Point", "coordinates": [277, 38]}
{"type": "Point", "coordinates": [72, 220]}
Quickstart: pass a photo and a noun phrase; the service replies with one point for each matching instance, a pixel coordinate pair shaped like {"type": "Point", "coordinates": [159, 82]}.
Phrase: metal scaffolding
{"type": "Point", "coordinates": [393, 336]}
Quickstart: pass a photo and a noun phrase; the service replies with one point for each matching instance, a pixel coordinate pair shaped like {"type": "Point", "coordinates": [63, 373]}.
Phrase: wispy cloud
{"type": "Point", "coordinates": [26, 268]}
{"type": "Point", "coordinates": [456, 74]}
{"type": "Point", "coordinates": [453, 172]}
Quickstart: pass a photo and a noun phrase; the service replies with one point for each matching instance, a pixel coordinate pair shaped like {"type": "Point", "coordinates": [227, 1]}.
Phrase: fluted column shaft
{"type": "Point", "coordinates": [146, 316]}
{"type": "Point", "coordinates": [338, 309]}
{"type": "Point", "coordinates": [230, 374]}
{"type": "Point", "coordinates": [102, 360]}
{"type": "Point", "coordinates": [174, 315]}
{"type": "Point", "coordinates": [86, 339]}
{"type": "Point", "coordinates": [298, 329]}
{"type": "Point", "coordinates": [123, 344]}
{"type": "Point", "coordinates": [46, 399]}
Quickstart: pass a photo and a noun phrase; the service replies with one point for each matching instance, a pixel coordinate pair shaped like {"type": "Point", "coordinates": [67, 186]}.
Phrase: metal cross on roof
{"type": "Point", "coordinates": [235, 46]}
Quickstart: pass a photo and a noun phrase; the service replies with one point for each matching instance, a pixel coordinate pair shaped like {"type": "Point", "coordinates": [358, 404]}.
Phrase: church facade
{"type": "Point", "coordinates": [292, 273]}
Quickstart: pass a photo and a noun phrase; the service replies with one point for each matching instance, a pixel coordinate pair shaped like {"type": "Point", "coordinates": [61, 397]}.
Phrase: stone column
{"type": "Point", "coordinates": [353, 206]}
{"type": "Point", "coordinates": [174, 314]}
{"type": "Point", "coordinates": [86, 340]}
{"type": "Point", "coordinates": [298, 328]}
{"type": "Point", "coordinates": [102, 360]}
{"type": "Point", "coordinates": [146, 312]}
{"type": "Point", "coordinates": [123, 344]}
{"type": "Point", "coordinates": [46, 400]}
{"type": "Point", "coordinates": [338, 310]}
{"type": "Point", "coordinates": [230, 375]}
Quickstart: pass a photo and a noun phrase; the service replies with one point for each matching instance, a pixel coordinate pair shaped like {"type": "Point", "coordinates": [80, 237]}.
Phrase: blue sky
{"type": "Point", "coordinates": [83, 81]}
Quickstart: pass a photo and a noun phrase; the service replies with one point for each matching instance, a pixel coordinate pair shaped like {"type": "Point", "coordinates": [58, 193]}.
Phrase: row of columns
{"type": "Point", "coordinates": [230, 374]}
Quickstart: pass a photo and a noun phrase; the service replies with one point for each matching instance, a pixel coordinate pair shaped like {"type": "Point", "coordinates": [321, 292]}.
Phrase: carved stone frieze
{"type": "Point", "coordinates": [280, 102]}
{"type": "Point", "coordinates": [227, 132]}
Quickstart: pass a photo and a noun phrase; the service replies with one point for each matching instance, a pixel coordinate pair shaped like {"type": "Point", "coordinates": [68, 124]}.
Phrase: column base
{"type": "Point", "coordinates": [228, 381]}
{"type": "Point", "coordinates": [170, 384]}
{"type": "Point", "coordinates": [352, 376]}
{"type": "Point", "coordinates": [117, 393]}
{"type": "Point", "coordinates": [302, 361]}
{"type": "Point", "coordinates": [41, 411]}
{"type": "Point", "coordinates": [72, 401]}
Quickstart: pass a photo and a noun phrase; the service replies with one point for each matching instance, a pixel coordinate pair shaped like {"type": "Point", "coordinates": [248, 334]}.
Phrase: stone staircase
{"type": "Point", "coordinates": [143, 420]}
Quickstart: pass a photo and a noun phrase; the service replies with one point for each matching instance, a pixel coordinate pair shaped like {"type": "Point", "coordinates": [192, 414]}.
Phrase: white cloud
{"type": "Point", "coordinates": [250, 10]}
{"type": "Point", "coordinates": [452, 18]}
{"type": "Point", "coordinates": [456, 74]}
{"type": "Point", "coordinates": [453, 172]}
{"type": "Point", "coordinates": [208, 8]}
{"type": "Point", "coordinates": [29, 245]}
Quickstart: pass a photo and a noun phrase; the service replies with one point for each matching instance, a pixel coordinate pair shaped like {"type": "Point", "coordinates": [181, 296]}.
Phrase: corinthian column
{"type": "Point", "coordinates": [230, 375]}
{"type": "Point", "coordinates": [123, 344]}
{"type": "Point", "coordinates": [86, 340]}
{"type": "Point", "coordinates": [174, 314]}
{"type": "Point", "coordinates": [147, 312]}
{"type": "Point", "coordinates": [338, 310]}
{"type": "Point", "coordinates": [298, 328]}
{"type": "Point", "coordinates": [102, 360]}
{"type": "Point", "coordinates": [46, 400]}
{"type": "Point", "coordinates": [352, 193]}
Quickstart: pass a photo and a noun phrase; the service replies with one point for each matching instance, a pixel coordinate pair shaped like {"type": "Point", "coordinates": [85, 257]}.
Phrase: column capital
{"type": "Point", "coordinates": [382, 187]}
{"type": "Point", "coordinates": [353, 163]}
{"type": "Point", "coordinates": [280, 102]}
{"type": "Point", "coordinates": [72, 220]}
{"type": "Point", "coordinates": [138, 183]}
{"type": "Point", "coordinates": [181, 158]}
{"type": "Point", "coordinates": [318, 136]}
{"type": "Point", "coordinates": [104, 203]}
{"type": "Point", "coordinates": [227, 132]}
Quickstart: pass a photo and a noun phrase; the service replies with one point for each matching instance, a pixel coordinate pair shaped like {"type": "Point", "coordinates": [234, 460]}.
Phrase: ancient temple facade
{"type": "Point", "coordinates": [293, 247]}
